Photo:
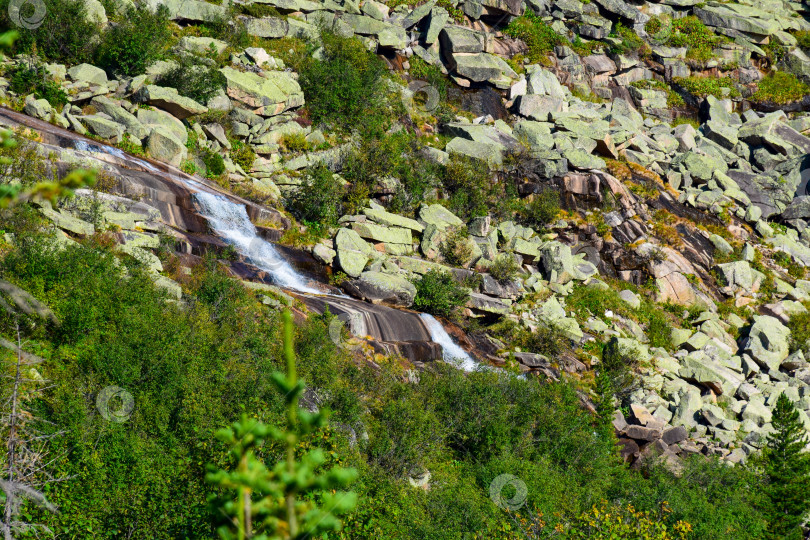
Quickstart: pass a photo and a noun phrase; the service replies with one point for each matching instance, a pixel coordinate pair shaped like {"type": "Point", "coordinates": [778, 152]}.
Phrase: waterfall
{"type": "Point", "coordinates": [84, 146]}
{"type": "Point", "coordinates": [452, 353]}
{"type": "Point", "coordinates": [231, 222]}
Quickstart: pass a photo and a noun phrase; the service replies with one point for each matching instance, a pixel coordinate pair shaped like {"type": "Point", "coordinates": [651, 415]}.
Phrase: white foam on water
{"type": "Point", "coordinates": [115, 152]}
{"type": "Point", "coordinates": [231, 222]}
{"type": "Point", "coordinates": [452, 353]}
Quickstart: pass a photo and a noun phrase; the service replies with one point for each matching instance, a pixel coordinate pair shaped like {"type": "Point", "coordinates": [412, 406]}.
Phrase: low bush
{"type": "Point", "coordinates": [65, 35]}
{"type": "Point", "coordinates": [457, 248]}
{"type": "Point", "coordinates": [673, 99]}
{"type": "Point", "coordinates": [629, 42]}
{"type": "Point", "coordinates": [504, 267]}
{"type": "Point", "coordinates": [295, 142]}
{"type": "Point", "coordinates": [195, 78]}
{"type": "Point", "coordinates": [345, 84]}
{"type": "Point", "coordinates": [470, 187]}
{"type": "Point", "coordinates": [781, 88]}
{"type": "Point", "coordinates": [25, 79]}
{"type": "Point", "coordinates": [243, 155]}
{"type": "Point", "coordinates": [318, 199]}
{"type": "Point", "coordinates": [542, 209]}
{"type": "Point", "coordinates": [802, 39]}
{"type": "Point", "coordinates": [214, 163]}
{"type": "Point", "coordinates": [438, 293]}
{"type": "Point", "coordinates": [539, 37]}
{"type": "Point", "coordinates": [140, 38]}
{"type": "Point", "coordinates": [719, 87]}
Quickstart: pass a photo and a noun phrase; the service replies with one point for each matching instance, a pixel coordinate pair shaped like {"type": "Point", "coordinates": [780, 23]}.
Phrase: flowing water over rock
{"type": "Point", "coordinates": [230, 221]}
{"type": "Point", "coordinates": [451, 352]}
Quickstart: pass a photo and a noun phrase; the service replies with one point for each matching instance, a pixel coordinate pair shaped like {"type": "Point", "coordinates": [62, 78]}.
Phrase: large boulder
{"type": "Point", "coordinates": [169, 100]}
{"type": "Point", "coordinates": [557, 262]}
{"type": "Point", "coordinates": [120, 115]}
{"type": "Point", "coordinates": [164, 146]}
{"type": "Point", "coordinates": [268, 95]}
{"type": "Point", "coordinates": [191, 10]}
{"type": "Point", "coordinates": [767, 342]}
{"type": "Point", "coordinates": [480, 67]}
{"type": "Point", "coordinates": [353, 253]}
{"type": "Point", "coordinates": [376, 287]}
{"type": "Point", "coordinates": [88, 73]}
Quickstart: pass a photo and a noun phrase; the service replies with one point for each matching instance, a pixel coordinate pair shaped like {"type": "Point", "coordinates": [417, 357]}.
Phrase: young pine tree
{"type": "Point", "coordinates": [787, 467]}
{"type": "Point", "coordinates": [277, 503]}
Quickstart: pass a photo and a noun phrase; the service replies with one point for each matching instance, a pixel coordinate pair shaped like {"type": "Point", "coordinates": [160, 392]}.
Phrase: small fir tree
{"type": "Point", "coordinates": [787, 467]}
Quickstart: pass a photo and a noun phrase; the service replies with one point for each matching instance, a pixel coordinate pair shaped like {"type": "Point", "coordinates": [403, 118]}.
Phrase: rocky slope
{"type": "Point", "coordinates": [702, 224]}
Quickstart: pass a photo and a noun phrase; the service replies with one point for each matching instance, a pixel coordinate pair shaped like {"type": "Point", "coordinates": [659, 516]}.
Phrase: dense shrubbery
{"type": "Point", "coordinates": [780, 88]}
{"type": "Point", "coordinates": [318, 199]}
{"type": "Point", "coordinates": [194, 79]}
{"type": "Point", "coordinates": [25, 79]}
{"type": "Point", "coordinates": [346, 84]}
{"type": "Point", "coordinates": [538, 36]}
{"type": "Point", "coordinates": [719, 87]}
{"type": "Point", "coordinates": [129, 47]}
{"type": "Point", "coordinates": [438, 293]}
{"type": "Point", "coordinates": [64, 36]}
{"type": "Point", "coordinates": [542, 209]}
{"type": "Point", "coordinates": [192, 370]}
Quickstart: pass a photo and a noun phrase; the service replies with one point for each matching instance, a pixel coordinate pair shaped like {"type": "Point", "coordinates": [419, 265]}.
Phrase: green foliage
{"type": "Point", "coordinates": [787, 468]}
{"type": "Point", "coordinates": [616, 522]}
{"type": "Point", "coordinates": [25, 79]}
{"type": "Point", "coordinates": [799, 325]}
{"type": "Point", "coordinates": [195, 78]}
{"type": "Point", "coordinates": [214, 163]}
{"type": "Point", "coordinates": [504, 267]}
{"type": "Point", "coordinates": [471, 189]}
{"type": "Point", "coordinates": [243, 155]}
{"type": "Point", "coordinates": [719, 87]}
{"type": "Point", "coordinates": [457, 248]}
{"type": "Point", "coordinates": [781, 88]}
{"type": "Point", "coordinates": [630, 42]}
{"type": "Point", "coordinates": [262, 502]}
{"type": "Point", "coordinates": [318, 199]}
{"type": "Point", "coordinates": [65, 34]}
{"type": "Point", "coordinates": [673, 99]}
{"type": "Point", "coordinates": [542, 209]}
{"type": "Point", "coordinates": [394, 155]}
{"type": "Point", "coordinates": [699, 40]}
{"type": "Point", "coordinates": [345, 84]}
{"type": "Point", "coordinates": [295, 142]}
{"type": "Point", "coordinates": [438, 293]}
{"type": "Point", "coordinates": [431, 74]}
{"type": "Point", "coordinates": [129, 47]}
{"type": "Point", "coordinates": [802, 39]}
{"type": "Point", "coordinates": [538, 36]}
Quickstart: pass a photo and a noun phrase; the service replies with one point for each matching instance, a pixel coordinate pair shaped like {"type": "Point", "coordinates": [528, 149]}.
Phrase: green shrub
{"type": "Point", "coordinates": [470, 187]}
{"type": "Point", "coordinates": [243, 155]}
{"type": "Point", "coordinates": [673, 98]}
{"type": "Point", "coordinates": [346, 84]}
{"type": "Point", "coordinates": [295, 142]}
{"type": "Point", "coordinates": [65, 34]}
{"type": "Point", "coordinates": [318, 199]}
{"type": "Point", "coordinates": [194, 78]}
{"type": "Point", "coordinates": [539, 37]}
{"type": "Point", "coordinates": [25, 80]}
{"type": "Point", "coordinates": [214, 163]}
{"type": "Point", "coordinates": [457, 248]}
{"type": "Point", "coordinates": [438, 293]}
{"type": "Point", "coordinates": [542, 209]}
{"type": "Point", "coordinates": [142, 36]}
{"type": "Point", "coordinates": [630, 42]}
{"type": "Point", "coordinates": [802, 39]}
{"type": "Point", "coordinates": [781, 88]}
{"type": "Point", "coordinates": [504, 267]}
{"type": "Point", "coordinates": [708, 86]}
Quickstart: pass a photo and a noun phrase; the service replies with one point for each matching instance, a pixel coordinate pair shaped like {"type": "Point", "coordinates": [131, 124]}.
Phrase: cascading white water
{"type": "Point", "coordinates": [231, 222]}
{"type": "Point", "coordinates": [84, 146]}
{"type": "Point", "coordinates": [452, 353]}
